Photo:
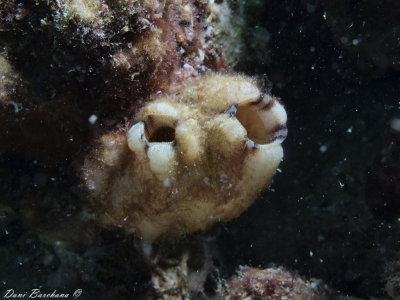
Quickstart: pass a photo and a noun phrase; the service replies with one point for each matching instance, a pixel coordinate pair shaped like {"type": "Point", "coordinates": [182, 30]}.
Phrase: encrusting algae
{"type": "Point", "coordinates": [176, 140]}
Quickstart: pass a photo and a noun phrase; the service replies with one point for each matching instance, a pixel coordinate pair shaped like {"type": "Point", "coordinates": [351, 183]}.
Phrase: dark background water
{"type": "Point", "coordinates": [340, 98]}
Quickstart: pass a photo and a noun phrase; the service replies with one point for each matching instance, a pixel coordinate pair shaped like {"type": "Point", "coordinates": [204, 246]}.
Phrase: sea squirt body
{"type": "Point", "coordinates": [189, 159]}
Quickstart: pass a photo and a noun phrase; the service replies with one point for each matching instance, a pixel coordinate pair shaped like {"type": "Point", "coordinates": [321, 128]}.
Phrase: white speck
{"type": "Point", "coordinates": [279, 170]}
{"type": "Point", "coordinates": [350, 129]}
{"type": "Point", "coordinates": [323, 148]}
{"type": "Point", "coordinates": [324, 15]}
{"type": "Point", "coordinates": [206, 180]}
{"type": "Point", "coordinates": [188, 67]}
{"type": "Point", "coordinates": [126, 218]}
{"type": "Point", "coordinates": [356, 42]}
{"type": "Point", "coordinates": [92, 119]}
{"type": "Point", "coordinates": [209, 30]}
{"type": "Point", "coordinates": [223, 178]}
{"type": "Point", "coordinates": [341, 184]}
{"type": "Point", "coordinates": [395, 124]}
{"type": "Point", "coordinates": [146, 248]}
{"type": "Point", "coordinates": [90, 185]}
{"type": "Point", "coordinates": [17, 106]}
{"type": "Point", "coordinates": [201, 55]}
{"type": "Point", "coordinates": [311, 253]}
